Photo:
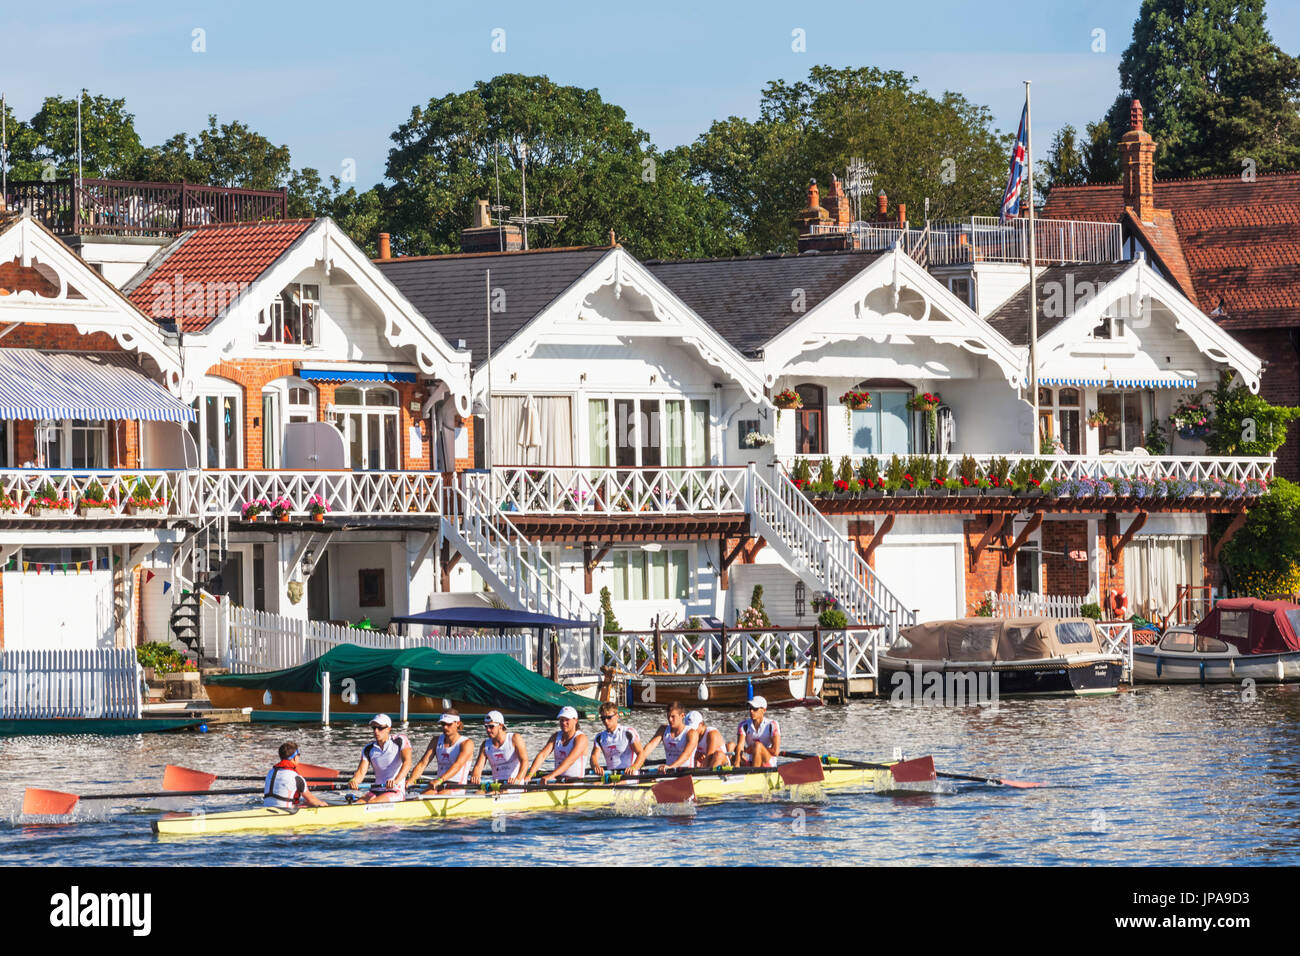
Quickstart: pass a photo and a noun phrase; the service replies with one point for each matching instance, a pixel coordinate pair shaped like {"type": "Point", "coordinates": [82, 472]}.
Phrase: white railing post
{"type": "Point", "coordinates": [325, 699]}
{"type": "Point", "coordinates": [750, 471]}
{"type": "Point", "coordinates": [406, 695]}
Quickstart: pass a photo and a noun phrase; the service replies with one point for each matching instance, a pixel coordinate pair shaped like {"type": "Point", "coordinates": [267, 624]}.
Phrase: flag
{"type": "Point", "coordinates": [1019, 156]}
{"type": "Point", "coordinates": [148, 576]}
{"type": "Point", "coordinates": [167, 586]}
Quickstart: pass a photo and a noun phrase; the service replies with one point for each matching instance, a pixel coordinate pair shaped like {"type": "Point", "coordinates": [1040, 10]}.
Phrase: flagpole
{"type": "Point", "coordinates": [1033, 285]}
{"type": "Point", "coordinates": [487, 417]}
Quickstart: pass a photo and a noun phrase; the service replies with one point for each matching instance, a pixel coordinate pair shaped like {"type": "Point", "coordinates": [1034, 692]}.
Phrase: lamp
{"type": "Point", "coordinates": [307, 561]}
{"type": "Point", "coordinates": [800, 595]}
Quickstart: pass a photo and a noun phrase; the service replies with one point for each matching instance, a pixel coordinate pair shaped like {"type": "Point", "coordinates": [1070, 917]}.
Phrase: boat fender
{"type": "Point", "coordinates": [1202, 668]}
{"type": "Point", "coordinates": [1160, 663]}
{"type": "Point", "coordinates": [702, 692]}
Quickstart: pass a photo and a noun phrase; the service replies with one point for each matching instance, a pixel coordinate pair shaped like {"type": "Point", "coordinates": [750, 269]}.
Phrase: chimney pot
{"type": "Point", "coordinates": [902, 213]}
{"type": "Point", "coordinates": [882, 205]}
{"type": "Point", "coordinates": [814, 197]}
{"type": "Point", "coordinates": [1135, 116]}
{"type": "Point", "coordinates": [385, 248]}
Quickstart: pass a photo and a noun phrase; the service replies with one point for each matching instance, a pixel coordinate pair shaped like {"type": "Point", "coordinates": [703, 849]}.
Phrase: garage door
{"type": "Point", "coordinates": [926, 577]}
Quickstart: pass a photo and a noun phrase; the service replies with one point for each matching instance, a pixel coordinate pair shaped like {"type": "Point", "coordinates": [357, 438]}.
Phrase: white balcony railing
{"type": "Point", "coordinates": [619, 491]}
{"type": "Point", "coordinates": [95, 494]}
{"type": "Point", "coordinates": [343, 492]}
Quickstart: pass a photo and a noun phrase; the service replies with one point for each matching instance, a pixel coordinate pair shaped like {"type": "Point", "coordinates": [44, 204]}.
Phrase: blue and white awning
{"type": "Point", "coordinates": [1170, 380]}
{"type": "Point", "coordinates": [352, 375]}
{"type": "Point", "coordinates": [86, 385]}
{"type": "Point", "coordinates": [1158, 381]}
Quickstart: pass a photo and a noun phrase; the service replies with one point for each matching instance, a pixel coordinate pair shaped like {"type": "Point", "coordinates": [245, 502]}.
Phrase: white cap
{"type": "Point", "coordinates": [757, 701]}
{"type": "Point", "coordinates": [448, 719]}
{"type": "Point", "coordinates": [568, 712]}
{"type": "Point", "coordinates": [694, 719]}
{"type": "Point", "coordinates": [381, 720]}
{"type": "Point", "coordinates": [493, 717]}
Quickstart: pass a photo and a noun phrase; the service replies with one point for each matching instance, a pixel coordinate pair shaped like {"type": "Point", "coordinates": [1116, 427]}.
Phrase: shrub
{"type": "Point", "coordinates": [869, 471]}
{"type": "Point", "coordinates": [1268, 544]}
{"type": "Point", "coordinates": [1245, 424]}
{"type": "Point", "coordinates": [607, 612]}
{"type": "Point", "coordinates": [1092, 610]}
{"type": "Point", "coordinates": [833, 619]}
{"type": "Point", "coordinates": [969, 470]}
{"type": "Point", "coordinates": [845, 472]}
{"type": "Point", "coordinates": [825, 476]}
{"type": "Point", "coordinates": [894, 472]}
{"type": "Point", "coordinates": [984, 608]}
{"type": "Point", "coordinates": [756, 602]}
{"type": "Point", "coordinates": [163, 658]}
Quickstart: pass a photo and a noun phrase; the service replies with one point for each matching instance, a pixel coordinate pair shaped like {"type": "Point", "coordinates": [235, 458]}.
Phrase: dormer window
{"type": "Point", "coordinates": [1110, 329]}
{"type": "Point", "coordinates": [963, 287]}
{"type": "Point", "coordinates": [291, 318]}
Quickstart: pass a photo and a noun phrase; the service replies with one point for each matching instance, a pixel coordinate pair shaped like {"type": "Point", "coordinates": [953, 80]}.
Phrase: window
{"type": "Point", "coordinates": [1111, 327]}
{"type": "Point", "coordinates": [1074, 632]}
{"type": "Point", "coordinates": [660, 575]}
{"type": "Point", "coordinates": [1208, 645]}
{"type": "Point", "coordinates": [368, 419]}
{"type": "Point", "coordinates": [74, 443]}
{"type": "Point", "coordinates": [886, 427]}
{"type": "Point", "coordinates": [284, 401]}
{"type": "Point", "coordinates": [963, 288]}
{"type": "Point", "coordinates": [648, 432]}
{"type": "Point", "coordinates": [810, 421]}
{"type": "Point", "coordinates": [1127, 412]}
{"type": "Point", "coordinates": [291, 318]}
{"type": "Point", "coordinates": [1028, 570]}
{"type": "Point", "coordinates": [217, 428]}
{"type": "Point", "coordinates": [1181, 641]}
{"type": "Point", "coordinates": [1059, 409]}
{"type": "Point", "coordinates": [744, 428]}
{"type": "Point", "coordinates": [1234, 624]}
{"type": "Point", "coordinates": [370, 587]}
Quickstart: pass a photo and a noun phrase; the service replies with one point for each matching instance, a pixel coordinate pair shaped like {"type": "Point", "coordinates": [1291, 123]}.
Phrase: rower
{"type": "Point", "coordinates": [570, 746]}
{"type": "Point", "coordinates": [758, 738]}
{"type": "Point", "coordinates": [504, 751]}
{"type": "Point", "coordinates": [679, 742]}
{"type": "Point", "coordinates": [710, 745]}
{"type": "Point", "coordinates": [451, 750]}
{"type": "Point", "coordinates": [284, 786]}
{"type": "Point", "coordinates": [390, 756]}
{"type": "Point", "coordinates": [619, 746]}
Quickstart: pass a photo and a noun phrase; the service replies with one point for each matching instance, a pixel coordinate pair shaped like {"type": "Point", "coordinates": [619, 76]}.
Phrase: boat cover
{"type": "Point", "coordinates": [1254, 626]}
{"type": "Point", "coordinates": [997, 639]}
{"type": "Point", "coordinates": [493, 680]}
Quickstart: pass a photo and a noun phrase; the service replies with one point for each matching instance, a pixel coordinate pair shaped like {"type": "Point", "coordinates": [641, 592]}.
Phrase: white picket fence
{"type": "Point", "coordinates": [1035, 605]}
{"type": "Point", "coordinates": [849, 653]}
{"type": "Point", "coordinates": [77, 683]}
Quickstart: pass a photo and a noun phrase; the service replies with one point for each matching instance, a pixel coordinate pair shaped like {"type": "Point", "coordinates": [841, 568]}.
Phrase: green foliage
{"type": "Point", "coordinates": [1246, 424]}
{"type": "Point", "coordinates": [833, 619]}
{"type": "Point", "coordinates": [1215, 88]}
{"type": "Point", "coordinates": [941, 469]}
{"type": "Point", "coordinates": [999, 468]}
{"type": "Point", "coordinates": [1090, 610]}
{"type": "Point", "coordinates": [1269, 541]}
{"type": "Point", "coordinates": [1064, 163]}
{"type": "Point", "coordinates": [585, 160]}
{"type": "Point", "coordinates": [802, 470]}
{"type": "Point", "coordinates": [969, 468]}
{"type": "Point", "coordinates": [825, 476]}
{"type": "Point", "coordinates": [607, 612]}
{"type": "Point", "coordinates": [109, 142]}
{"type": "Point", "coordinates": [894, 471]}
{"type": "Point", "coordinates": [756, 603]}
{"type": "Point", "coordinates": [845, 472]}
{"type": "Point", "coordinates": [47, 490]}
{"type": "Point", "coordinates": [163, 658]}
{"type": "Point", "coordinates": [984, 608]}
{"type": "Point", "coordinates": [869, 470]}
{"type": "Point", "coordinates": [1156, 442]}
{"type": "Point", "coordinates": [94, 492]}
{"type": "Point", "coordinates": [229, 154]}
{"type": "Point", "coordinates": [942, 148]}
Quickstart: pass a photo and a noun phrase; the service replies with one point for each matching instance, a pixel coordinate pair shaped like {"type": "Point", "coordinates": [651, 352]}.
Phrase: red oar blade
{"type": "Point", "coordinates": [917, 770]}
{"type": "Point", "coordinates": [677, 790]}
{"type": "Point", "coordinates": [50, 803]}
{"type": "Point", "coordinates": [1021, 784]}
{"type": "Point", "coordinates": [179, 778]}
{"type": "Point", "coordinates": [314, 774]}
{"type": "Point", "coordinates": [808, 770]}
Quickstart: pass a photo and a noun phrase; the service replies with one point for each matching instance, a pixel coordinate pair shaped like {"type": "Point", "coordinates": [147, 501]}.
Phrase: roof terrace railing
{"type": "Point", "coordinates": [121, 208]}
{"type": "Point", "coordinates": [985, 239]}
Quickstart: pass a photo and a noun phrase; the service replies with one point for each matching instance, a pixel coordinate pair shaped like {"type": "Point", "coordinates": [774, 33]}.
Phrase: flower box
{"type": "Point", "coordinates": [788, 399]}
{"type": "Point", "coordinates": [969, 492]}
{"type": "Point", "coordinates": [936, 492]}
{"type": "Point", "coordinates": [147, 507]}
{"type": "Point", "coordinates": [38, 510]}
{"type": "Point", "coordinates": [905, 493]}
{"type": "Point", "coordinates": [88, 509]}
{"type": "Point", "coordinates": [1030, 493]}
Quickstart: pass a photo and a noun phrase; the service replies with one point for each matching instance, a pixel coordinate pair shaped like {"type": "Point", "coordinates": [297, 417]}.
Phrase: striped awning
{"type": "Point", "coordinates": [1170, 380]}
{"type": "Point", "coordinates": [86, 385]}
{"type": "Point", "coordinates": [349, 375]}
{"type": "Point", "coordinates": [1157, 381]}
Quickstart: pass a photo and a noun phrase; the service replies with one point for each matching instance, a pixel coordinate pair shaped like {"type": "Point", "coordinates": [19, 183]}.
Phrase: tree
{"type": "Point", "coordinates": [220, 155]}
{"type": "Point", "coordinates": [1216, 91]}
{"type": "Point", "coordinates": [585, 161]}
{"type": "Point", "coordinates": [943, 149]}
{"type": "Point", "coordinates": [607, 613]}
{"type": "Point", "coordinates": [1262, 557]}
{"type": "Point", "coordinates": [109, 143]}
{"type": "Point", "coordinates": [1064, 163]}
{"type": "Point", "coordinates": [1100, 156]}
{"type": "Point", "coordinates": [357, 214]}
{"type": "Point", "coordinates": [1246, 424]}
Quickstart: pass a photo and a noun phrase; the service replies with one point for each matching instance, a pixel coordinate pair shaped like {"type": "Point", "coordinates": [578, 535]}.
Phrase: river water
{"type": "Point", "coordinates": [1152, 776]}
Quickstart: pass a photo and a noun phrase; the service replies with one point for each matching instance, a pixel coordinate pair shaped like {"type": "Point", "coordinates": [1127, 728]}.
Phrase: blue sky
{"type": "Point", "coordinates": [334, 79]}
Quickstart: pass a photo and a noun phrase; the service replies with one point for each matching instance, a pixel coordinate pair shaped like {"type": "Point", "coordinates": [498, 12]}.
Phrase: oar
{"type": "Point", "coordinates": [182, 778]}
{"type": "Point", "coordinates": [675, 790]}
{"type": "Point", "coordinates": [859, 764]}
{"type": "Point", "coordinates": [56, 803]}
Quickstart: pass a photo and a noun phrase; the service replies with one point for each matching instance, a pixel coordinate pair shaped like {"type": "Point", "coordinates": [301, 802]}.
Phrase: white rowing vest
{"type": "Point", "coordinates": [282, 788]}
{"type": "Point", "coordinates": [503, 758]}
{"type": "Point", "coordinates": [764, 733]}
{"type": "Point", "coordinates": [616, 746]}
{"type": "Point", "coordinates": [674, 744]}
{"type": "Point", "coordinates": [562, 751]}
{"type": "Point", "coordinates": [386, 761]}
{"type": "Point", "coordinates": [447, 756]}
{"type": "Point", "coordinates": [702, 745]}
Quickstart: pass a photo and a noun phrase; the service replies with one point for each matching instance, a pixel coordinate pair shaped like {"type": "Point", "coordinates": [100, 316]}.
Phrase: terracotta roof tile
{"type": "Point", "coordinates": [235, 253]}
{"type": "Point", "coordinates": [1240, 241]}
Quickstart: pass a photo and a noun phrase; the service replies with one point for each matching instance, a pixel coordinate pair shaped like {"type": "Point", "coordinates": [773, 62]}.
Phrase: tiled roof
{"type": "Point", "coordinates": [236, 253]}
{"type": "Point", "coordinates": [1240, 240]}
{"type": "Point", "coordinates": [1011, 318]}
{"type": "Point", "coordinates": [449, 290]}
{"type": "Point", "coordinates": [751, 300]}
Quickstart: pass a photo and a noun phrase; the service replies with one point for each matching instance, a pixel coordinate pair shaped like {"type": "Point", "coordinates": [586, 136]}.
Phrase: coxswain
{"type": "Point", "coordinates": [389, 754]}
{"type": "Point", "coordinates": [450, 751]}
{"type": "Point", "coordinates": [758, 738]}
{"type": "Point", "coordinates": [617, 746]}
{"type": "Point", "coordinates": [710, 745]}
{"type": "Point", "coordinates": [569, 745]}
{"type": "Point", "coordinates": [505, 752]}
{"type": "Point", "coordinates": [284, 786]}
{"type": "Point", "coordinates": [679, 742]}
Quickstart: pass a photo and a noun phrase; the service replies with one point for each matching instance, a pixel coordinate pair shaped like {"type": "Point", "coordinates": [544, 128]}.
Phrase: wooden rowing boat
{"type": "Point", "coordinates": [781, 688]}
{"type": "Point", "coordinates": [619, 797]}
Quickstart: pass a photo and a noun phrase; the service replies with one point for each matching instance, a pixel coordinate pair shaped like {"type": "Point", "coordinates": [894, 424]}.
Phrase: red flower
{"type": "Point", "coordinates": [965, 481]}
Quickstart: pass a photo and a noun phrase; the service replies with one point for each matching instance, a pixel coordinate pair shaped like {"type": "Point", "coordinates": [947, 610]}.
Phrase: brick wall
{"type": "Point", "coordinates": [14, 277]}
{"type": "Point", "coordinates": [1280, 385]}
{"type": "Point", "coordinates": [463, 463]}
{"type": "Point", "coordinates": [988, 573]}
{"type": "Point", "coordinates": [1060, 574]}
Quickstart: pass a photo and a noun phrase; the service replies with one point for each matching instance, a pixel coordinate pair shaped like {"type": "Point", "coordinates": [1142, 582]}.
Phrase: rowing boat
{"type": "Point", "coordinates": [444, 807]}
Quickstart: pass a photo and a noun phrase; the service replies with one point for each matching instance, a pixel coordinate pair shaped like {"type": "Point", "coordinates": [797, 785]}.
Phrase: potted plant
{"type": "Point", "coordinates": [895, 481]}
{"type": "Point", "coordinates": [1191, 419]}
{"type": "Point", "coordinates": [939, 475]}
{"type": "Point", "coordinates": [787, 399]}
{"type": "Point", "coordinates": [845, 475]}
{"type": "Point", "coordinates": [280, 509]}
{"type": "Point", "coordinates": [146, 498]}
{"type": "Point", "coordinates": [1155, 442]}
{"type": "Point", "coordinates": [825, 482]}
{"type": "Point", "coordinates": [758, 440]}
{"type": "Point", "coordinates": [855, 400]}
{"type": "Point", "coordinates": [10, 505]}
{"type": "Point", "coordinates": [317, 507]}
{"type": "Point", "coordinates": [47, 500]}
{"type": "Point", "coordinates": [927, 402]}
{"type": "Point", "coordinates": [94, 501]}
{"type": "Point", "coordinates": [253, 508]}
{"type": "Point", "coordinates": [969, 476]}
{"type": "Point", "coordinates": [1097, 418]}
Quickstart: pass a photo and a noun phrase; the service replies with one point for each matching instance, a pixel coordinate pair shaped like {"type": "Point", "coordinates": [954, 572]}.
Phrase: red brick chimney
{"type": "Point", "coordinates": [837, 204]}
{"type": "Point", "coordinates": [385, 248]}
{"type": "Point", "coordinates": [882, 206]}
{"type": "Point", "coordinates": [1137, 151]}
{"type": "Point", "coordinates": [483, 236]}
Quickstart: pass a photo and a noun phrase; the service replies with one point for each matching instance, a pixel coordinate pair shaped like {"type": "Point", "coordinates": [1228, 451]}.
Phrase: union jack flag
{"type": "Point", "coordinates": [1011, 198]}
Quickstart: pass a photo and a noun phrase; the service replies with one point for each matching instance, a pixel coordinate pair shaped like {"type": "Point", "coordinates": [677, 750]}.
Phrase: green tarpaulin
{"type": "Point", "coordinates": [493, 680]}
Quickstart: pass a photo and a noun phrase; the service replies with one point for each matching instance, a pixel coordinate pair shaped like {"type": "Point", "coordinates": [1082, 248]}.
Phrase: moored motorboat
{"type": "Point", "coordinates": [785, 687]}
{"type": "Point", "coordinates": [1240, 639]}
{"type": "Point", "coordinates": [978, 660]}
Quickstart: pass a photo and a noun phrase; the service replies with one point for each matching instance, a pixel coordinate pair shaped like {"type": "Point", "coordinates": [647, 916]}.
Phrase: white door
{"type": "Point", "coordinates": [925, 577]}
{"type": "Point", "coordinates": [57, 611]}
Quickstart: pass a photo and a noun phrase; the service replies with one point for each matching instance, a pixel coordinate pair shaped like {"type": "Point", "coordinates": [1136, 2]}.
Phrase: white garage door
{"type": "Point", "coordinates": [925, 577]}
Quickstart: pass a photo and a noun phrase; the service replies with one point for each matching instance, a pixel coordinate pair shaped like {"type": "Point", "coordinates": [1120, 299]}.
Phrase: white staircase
{"type": "Point", "coordinates": [513, 567]}
{"type": "Point", "coordinates": [812, 548]}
